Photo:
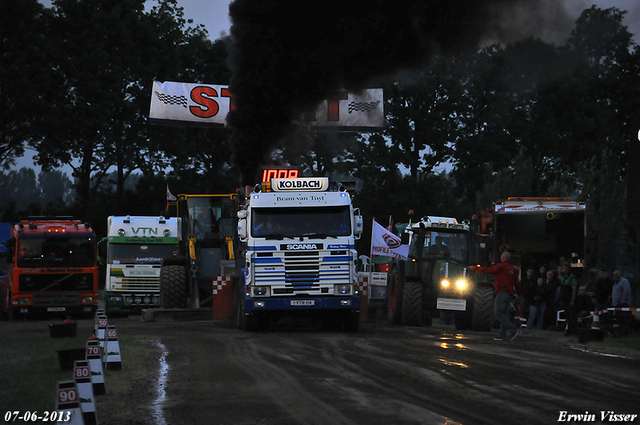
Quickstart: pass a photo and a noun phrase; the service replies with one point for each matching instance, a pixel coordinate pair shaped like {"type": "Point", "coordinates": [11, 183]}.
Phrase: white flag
{"type": "Point", "coordinates": [170, 196]}
{"type": "Point", "coordinates": [383, 242]}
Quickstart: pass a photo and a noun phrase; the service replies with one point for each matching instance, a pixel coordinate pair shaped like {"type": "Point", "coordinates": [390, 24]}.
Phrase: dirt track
{"type": "Point", "coordinates": [383, 375]}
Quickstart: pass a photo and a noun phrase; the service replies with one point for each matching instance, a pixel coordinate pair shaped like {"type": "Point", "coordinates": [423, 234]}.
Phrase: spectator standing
{"type": "Point", "coordinates": [527, 280]}
{"type": "Point", "coordinates": [542, 272]}
{"type": "Point", "coordinates": [621, 291]}
{"type": "Point", "coordinates": [537, 296]}
{"type": "Point", "coordinates": [568, 291]}
{"type": "Point", "coordinates": [506, 282]}
{"type": "Point", "coordinates": [551, 311]}
{"type": "Point", "coordinates": [602, 289]}
{"type": "Point", "coordinates": [583, 306]}
{"type": "Point", "coordinates": [558, 298]}
{"type": "Point", "coordinates": [620, 298]}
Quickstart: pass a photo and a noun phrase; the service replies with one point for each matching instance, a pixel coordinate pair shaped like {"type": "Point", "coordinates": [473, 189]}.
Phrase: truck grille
{"type": "Point", "coordinates": [302, 270]}
{"type": "Point", "coordinates": [56, 282]}
{"type": "Point", "coordinates": [55, 300]}
{"type": "Point", "coordinates": [129, 278]}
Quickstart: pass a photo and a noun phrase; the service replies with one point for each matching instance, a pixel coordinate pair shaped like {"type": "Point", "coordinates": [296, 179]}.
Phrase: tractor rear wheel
{"type": "Point", "coordinates": [482, 319]}
{"type": "Point", "coordinates": [173, 287]}
{"type": "Point", "coordinates": [412, 312]}
{"type": "Point", "coordinates": [394, 297]}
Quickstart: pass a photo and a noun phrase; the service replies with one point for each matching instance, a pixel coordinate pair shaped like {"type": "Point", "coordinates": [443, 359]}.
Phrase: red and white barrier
{"type": "Point", "coordinates": [596, 314]}
{"type": "Point", "coordinates": [222, 298]}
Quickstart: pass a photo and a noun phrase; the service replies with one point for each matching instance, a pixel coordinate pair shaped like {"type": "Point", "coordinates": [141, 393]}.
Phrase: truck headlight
{"type": "Point", "coordinates": [24, 301]}
{"type": "Point", "coordinates": [461, 284]}
{"type": "Point", "coordinates": [342, 289]}
{"type": "Point", "coordinates": [115, 299]}
{"type": "Point", "coordinates": [260, 291]}
{"type": "Point", "coordinates": [444, 283]}
{"type": "Point", "coordinates": [87, 300]}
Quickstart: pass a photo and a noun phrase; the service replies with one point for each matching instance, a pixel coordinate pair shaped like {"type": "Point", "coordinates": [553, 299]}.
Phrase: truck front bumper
{"type": "Point", "coordinates": [306, 303]}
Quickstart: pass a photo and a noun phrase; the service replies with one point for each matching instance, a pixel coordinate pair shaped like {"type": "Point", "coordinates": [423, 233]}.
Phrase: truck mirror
{"type": "Point", "coordinates": [102, 250]}
{"type": "Point", "coordinates": [359, 225]}
{"type": "Point", "coordinates": [242, 229]}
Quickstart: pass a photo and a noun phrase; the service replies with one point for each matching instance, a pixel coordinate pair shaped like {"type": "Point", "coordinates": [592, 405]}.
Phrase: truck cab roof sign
{"type": "Point", "coordinates": [305, 184]}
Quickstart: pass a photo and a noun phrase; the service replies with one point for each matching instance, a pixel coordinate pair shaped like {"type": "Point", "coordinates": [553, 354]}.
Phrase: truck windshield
{"type": "Point", "coordinates": [210, 218]}
{"type": "Point", "coordinates": [541, 238]}
{"type": "Point", "coordinates": [305, 221]}
{"type": "Point", "coordinates": [445, 245]}
{"type": "Point", "coordinates": [71, 250]}
{"type": "Point", "coordinates": [138, 254]}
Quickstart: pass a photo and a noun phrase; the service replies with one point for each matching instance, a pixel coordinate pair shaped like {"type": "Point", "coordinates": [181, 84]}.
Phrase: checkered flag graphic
{"type": "Point", "coordinates": [219, 282]}
{"type": "Point", "coordinates": [363, 106]}
{"type": "Point", "coordinates": [171, 99]}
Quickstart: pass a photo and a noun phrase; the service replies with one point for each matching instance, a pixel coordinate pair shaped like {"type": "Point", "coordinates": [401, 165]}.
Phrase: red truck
{"type": "Point", "coordinates": [52, 268]}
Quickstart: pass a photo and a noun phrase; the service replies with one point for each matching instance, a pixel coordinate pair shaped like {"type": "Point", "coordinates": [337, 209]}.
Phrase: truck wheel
{"type": "Point", "coordinates": [247, 323]}
{"type": "Point", "coordinates": [352, 322]}
{"type": "Point", "coordinates": [3, 311]}
{"type": "Point", "coordinates": [482, 319]}
{"type": "Point", "coordinates": [394, 297]}
{"type": "Point", "coordinates": [239, 314]}
{"type": "Point", "coordinates": [412, 311]}
{"type": "Point", "coordinates": [173, 287]}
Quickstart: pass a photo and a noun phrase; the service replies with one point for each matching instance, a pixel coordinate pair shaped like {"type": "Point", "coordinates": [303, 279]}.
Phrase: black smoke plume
{"type": "Point", "coordinates": [288, 55]}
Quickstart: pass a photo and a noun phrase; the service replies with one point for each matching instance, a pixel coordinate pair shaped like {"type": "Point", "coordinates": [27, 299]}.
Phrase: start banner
{"type": "Point", "coordinates": [175, 103]}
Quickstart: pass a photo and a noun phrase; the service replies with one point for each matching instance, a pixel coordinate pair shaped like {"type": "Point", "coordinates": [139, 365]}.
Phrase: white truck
{"type": "Point", "coordinates": [133, 252]}
{"type": "Point", "coordinates": [298, 253]}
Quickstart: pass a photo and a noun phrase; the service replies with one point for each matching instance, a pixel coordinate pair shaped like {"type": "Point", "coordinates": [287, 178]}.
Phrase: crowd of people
{"type": "Point", "coordinates": [546, 295]}
{"type": "Point", "coordinates": [547, 292]}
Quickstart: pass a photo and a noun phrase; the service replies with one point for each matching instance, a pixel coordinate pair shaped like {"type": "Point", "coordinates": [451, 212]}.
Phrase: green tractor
{"type": "Point", "coordinates": [435, 277]}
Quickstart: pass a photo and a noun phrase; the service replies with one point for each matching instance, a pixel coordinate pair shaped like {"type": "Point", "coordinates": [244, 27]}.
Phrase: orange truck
{"type": "Point", "coordinates": [52, 269]}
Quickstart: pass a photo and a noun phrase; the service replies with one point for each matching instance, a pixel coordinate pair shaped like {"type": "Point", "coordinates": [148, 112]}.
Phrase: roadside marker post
{"type": "Point", "coordinates": [99, 313]}
{"type": "Point", "coordinates": [67, 404]}
{"type": "Point", "coordinates": [94, 357]}
{"type": "Point", "coordinates": [82, 377]}
{"type": "Point", "coordinates": [102, 323]}
{"type": "Point", "coordinates": [113, 357]}
{"type": "Point", "coordinates": [595, 324]}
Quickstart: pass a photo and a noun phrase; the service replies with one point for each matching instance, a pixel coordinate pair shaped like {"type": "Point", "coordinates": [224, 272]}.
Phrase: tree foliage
{"type": "Point", "coordinates": [525, 119]}
{"type": "Point", "coordinates": [23, 75]}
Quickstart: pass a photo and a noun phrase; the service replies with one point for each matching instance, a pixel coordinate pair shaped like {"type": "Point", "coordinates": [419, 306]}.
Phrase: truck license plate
{"type": "Point", "coordinates": [55, 308]}
{"type": "Point", "coordinates": [452, 304]}
{"type": "Point", "coordinates": [303, 302]}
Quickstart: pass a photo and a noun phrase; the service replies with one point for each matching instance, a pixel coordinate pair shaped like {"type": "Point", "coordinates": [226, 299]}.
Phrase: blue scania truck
{"type": "Point", "coordinates": [298, 253]}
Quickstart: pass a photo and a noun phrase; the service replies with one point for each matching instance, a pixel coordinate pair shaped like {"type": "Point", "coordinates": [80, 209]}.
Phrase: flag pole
{"type": "Point", "coordinates": [373, 220]}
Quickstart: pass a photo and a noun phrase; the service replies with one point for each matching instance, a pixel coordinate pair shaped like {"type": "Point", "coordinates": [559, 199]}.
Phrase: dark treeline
{"type": "Point", "coordinates": [525, 119]}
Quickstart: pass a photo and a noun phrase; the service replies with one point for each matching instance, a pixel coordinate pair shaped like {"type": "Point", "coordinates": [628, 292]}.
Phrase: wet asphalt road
{"type": "Point", "coordinates": [216, 374]}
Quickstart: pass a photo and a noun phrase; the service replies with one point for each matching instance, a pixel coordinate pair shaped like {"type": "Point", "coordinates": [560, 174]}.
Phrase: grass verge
{"type": "Point", "coordinates": [31, 368]}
